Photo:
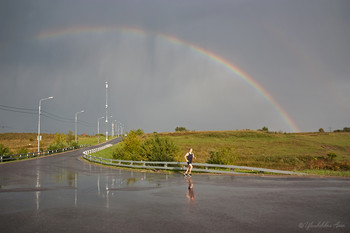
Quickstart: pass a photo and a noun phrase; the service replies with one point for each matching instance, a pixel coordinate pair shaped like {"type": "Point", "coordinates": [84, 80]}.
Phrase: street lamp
{"type": "Point", "coordinates": [113, 127]}
{"type": "Point", "coordinates": [106, 111]}
{"type": "Point", "coordinates": [98, 129]}
{"type": "Point", "coordinates": [76, 122]}
{"type": "Point", "coordinates": [107, 126]}
{"type": "Point", "coordinates": [39, 137]}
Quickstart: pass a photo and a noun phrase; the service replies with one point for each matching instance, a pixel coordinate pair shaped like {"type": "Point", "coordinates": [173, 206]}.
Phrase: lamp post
{"type": "Point", "coordinates": [106, 111]}
{"type": "Point", "coordinates": [39, 137]}
{"type": "Point", "coordinates": [113, 127]}
{"type": "Point", "coordinates": [76, 123]}
{"type": "Point", "coordinates": [98, 129]}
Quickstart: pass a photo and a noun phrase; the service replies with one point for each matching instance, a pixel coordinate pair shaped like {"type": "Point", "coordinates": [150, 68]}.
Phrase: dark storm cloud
{"type": "Point", "coordinates": [298, 51]}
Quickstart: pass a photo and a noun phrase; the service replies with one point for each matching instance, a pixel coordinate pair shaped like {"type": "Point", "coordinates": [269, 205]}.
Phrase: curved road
{"type": "Point", "coordinates": [63, 193]}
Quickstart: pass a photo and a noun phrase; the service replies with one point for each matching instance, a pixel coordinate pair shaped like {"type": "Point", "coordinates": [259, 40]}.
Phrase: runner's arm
{"type": "Point", "coordinates": [186, 157]}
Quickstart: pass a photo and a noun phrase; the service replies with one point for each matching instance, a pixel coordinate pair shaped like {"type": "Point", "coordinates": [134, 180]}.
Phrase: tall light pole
{"type": "Point", "coordinates": [113, 127]}
{"type": "Point", "coordinates": [106, 111]}
{"type": "Point", "coordinates": [76, 123]}
{"type": "Point", "coordinates": [98, 129]}
{"type": "Point", "coordinates": [39, 137]}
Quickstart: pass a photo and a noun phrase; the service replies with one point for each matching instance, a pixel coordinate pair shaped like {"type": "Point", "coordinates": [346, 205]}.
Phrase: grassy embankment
{"type": "Point", "coordinates": [16, 141]}
{"type": "Point", "coordinates": [307, 152]}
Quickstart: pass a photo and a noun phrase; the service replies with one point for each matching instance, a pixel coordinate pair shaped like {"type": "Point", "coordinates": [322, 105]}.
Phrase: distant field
{"type": "Point", "coordinates": [262, 144]}
{"type": "Point", "coordinates": [16, 141]}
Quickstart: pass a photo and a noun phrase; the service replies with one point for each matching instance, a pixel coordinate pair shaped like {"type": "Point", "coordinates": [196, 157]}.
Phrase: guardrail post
{"type": "Point", "coordinates": [165, 165]}
{"type": "Point", "coordinates": [1, 158]}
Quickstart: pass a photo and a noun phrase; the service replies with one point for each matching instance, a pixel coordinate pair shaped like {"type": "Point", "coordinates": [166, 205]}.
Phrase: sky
{"type": "Point", "coordinates": [203, 65]}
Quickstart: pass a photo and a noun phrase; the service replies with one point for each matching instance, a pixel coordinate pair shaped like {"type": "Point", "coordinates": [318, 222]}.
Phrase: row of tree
{"type": "Point", "coordinates": [345, 129]}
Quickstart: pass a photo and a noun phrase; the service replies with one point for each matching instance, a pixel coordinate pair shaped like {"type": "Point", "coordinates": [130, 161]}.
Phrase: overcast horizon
{"type": "Point", "coordinates": [175, 63]}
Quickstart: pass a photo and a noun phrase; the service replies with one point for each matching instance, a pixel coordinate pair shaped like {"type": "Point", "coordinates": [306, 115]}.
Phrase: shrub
{"type": "Point", "coordinates": [4, 150]}
{"type": "Point", "coordinates": [223, 156]}
{"type": "Point", "coordinates": [129, 148]}
{"type": "Point", "coordinates": [157, 148]}
{"type": "Point", "coordinates": [139, 132]}
{"type": "Point", "coordinates": [74, 144]}
{"type": "Point", "coordinates": [331, 156]}
{"type": "Point", "coordinates": [70, 137]}
{"type": "Point", "coordinates": [22, 150]}
{"type": "Point", "coordinates": [59, 142]}
{"type": "Point", "coordinates": [154, 148]}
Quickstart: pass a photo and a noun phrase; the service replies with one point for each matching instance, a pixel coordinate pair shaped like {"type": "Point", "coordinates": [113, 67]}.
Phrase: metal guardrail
{"type": "Point", "coordinates": [198, 167]}
{"type": "Point", "coordinates": [4, 158]}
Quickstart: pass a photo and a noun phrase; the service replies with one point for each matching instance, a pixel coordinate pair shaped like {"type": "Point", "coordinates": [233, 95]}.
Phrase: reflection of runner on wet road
{"type": "Point", "coordinates": [190, 192]}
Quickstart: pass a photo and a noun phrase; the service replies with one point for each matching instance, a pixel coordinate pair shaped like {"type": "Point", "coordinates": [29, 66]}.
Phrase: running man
{"type": "Point", "coordinates": [188, 157]}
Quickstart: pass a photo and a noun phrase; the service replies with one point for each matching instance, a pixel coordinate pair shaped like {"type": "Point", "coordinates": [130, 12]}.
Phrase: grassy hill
{"type": "Point", "coordinates": [258, 143]}
{"type": "Point", "coordinates": [291, 151]}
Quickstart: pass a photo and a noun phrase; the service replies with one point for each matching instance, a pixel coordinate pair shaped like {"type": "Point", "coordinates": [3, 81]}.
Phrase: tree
{"type": "Point", "coordinates": [265, 129]}
{"type": "Point", "coordinates": [70, 137]}
{"type": "Point", "coordinates": [321, 130]}
{"type": "Point", "coordinates": [179, 129]}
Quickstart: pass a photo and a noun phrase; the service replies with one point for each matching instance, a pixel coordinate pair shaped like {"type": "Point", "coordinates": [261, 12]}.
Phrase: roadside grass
{"type": "Point", "coordinates": [327, 173]}
{"type": "Point", "coordinates": [16, 141]}
{"type": "Point", "coordinates": [106, 153]}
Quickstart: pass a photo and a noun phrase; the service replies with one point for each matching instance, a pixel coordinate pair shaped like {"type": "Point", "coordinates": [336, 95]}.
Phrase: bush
{"type": "Point", "coordinates": [70, 137]}
{"type": "Point", "coordinates": [223, 156]}
{"type": "Point", "coordinates": [74, 144]}
{"type": "Point", "coordinates": [59, 142]}
{"type": "Point", "coordinates": [157, 148]}
{"type": "Point", "coordinates": [331, 156]}
{"type": "Point", "coordinates": [22, 150]}
{"type": "Point", "coordinates": [129, 148]}
{"type": "Point", "coordinates": [4, 150]}
{"type": "Point", "coordinates": [154, 148]}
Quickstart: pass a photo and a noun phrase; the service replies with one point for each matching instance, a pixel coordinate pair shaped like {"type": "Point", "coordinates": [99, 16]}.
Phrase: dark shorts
{"type": "Point", "coordinates": [188, 163]}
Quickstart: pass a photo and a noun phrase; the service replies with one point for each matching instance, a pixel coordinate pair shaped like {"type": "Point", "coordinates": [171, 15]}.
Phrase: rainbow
{"type": "Point", "coordinates": [171, 39]}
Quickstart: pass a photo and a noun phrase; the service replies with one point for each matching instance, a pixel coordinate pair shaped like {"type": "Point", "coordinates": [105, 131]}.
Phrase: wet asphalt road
{"type": "Point", "coordinates": [63, 193]}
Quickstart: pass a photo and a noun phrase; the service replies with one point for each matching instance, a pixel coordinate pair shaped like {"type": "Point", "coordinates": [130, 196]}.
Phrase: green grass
{"type": "Point", "coordinates": [256, 143]}
{"type": "Point", "coordinates": [304, 152]}
{"type": "Point", "coordinates": [106, 153]}
{"type": "Point", "coordinates": [327, 173]}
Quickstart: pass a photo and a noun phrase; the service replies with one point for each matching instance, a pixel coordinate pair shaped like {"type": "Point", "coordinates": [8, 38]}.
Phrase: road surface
{"type": "Point", "coordinates": [63, 193]}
